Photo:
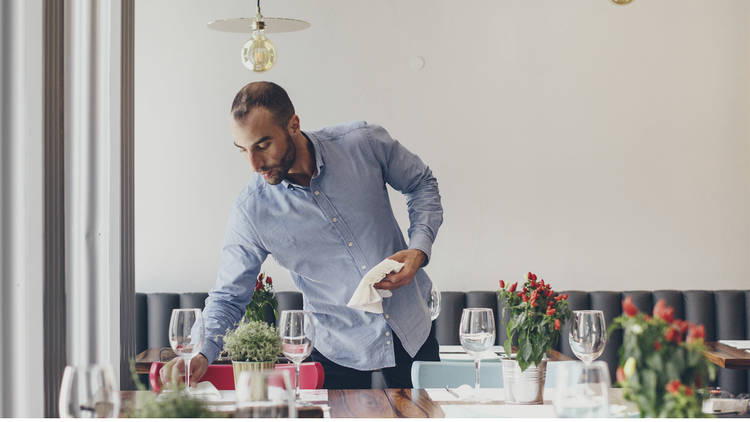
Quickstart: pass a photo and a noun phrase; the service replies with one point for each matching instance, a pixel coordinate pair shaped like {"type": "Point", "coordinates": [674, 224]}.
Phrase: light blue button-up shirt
{"type": "Point", "coordinates": [328, 235]}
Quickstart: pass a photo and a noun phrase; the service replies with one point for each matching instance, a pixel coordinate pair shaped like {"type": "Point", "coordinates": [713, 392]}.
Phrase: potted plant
{"type": "Point", "coordinates": [264, 306]}
{"type": "Point", "coordinates": [662, 369]}
{"type": "Point", "coordinates": [252, 346]}
{"type": "Point", "coordinates": [536, 314]}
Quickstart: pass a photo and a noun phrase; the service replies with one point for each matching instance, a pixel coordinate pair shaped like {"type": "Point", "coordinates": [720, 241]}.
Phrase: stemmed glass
{"type": "Point", "coordinates": [477, 334]}
{"type": "Point", "coordinates": [588, 335]}
{"type": "Point", "coordinates": [433, 303]}
{"type": "Point", "coordinates": [89, 392]}
{"type": "Point", "coordinates": [297, 332]}
{"type": "Point", "coordinates": [582, 390]}
{"type": "Point", "coordinates": [186, 336]}
{"type": "Point", "coordinates": [264, 394]}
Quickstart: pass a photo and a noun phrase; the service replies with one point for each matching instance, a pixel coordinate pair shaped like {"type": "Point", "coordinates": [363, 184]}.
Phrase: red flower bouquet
{"type": "Point", "coordinates": [662, 368]}
{"type": "Point", "coordinates": [264, 300]}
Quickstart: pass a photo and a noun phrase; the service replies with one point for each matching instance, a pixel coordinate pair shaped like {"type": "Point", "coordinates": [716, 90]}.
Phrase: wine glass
{"type": "Point", "coordinates": [89, 392]}
{"type": "Point", "coordinates": [265, 394]}
{"type": "Point", "coordinates": [582, 390]}
{"type": "Point", "coordinates": [477, 334]}
{"type": "Point", "coordinates": [186, 336]}
{"type": "Point", "coordinates": [588, 335]}
{"type": "Point", "coordinates": [433, 302]}
{"type": "Point", "coordinates": [297, 332]}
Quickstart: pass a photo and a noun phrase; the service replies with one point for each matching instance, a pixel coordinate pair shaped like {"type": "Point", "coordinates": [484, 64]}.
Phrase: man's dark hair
{"type": "Point", "coordinates": [263, 94]}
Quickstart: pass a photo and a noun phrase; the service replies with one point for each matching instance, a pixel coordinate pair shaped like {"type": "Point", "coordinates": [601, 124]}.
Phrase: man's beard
{"type": "Point", "coordinates": [280, 171]}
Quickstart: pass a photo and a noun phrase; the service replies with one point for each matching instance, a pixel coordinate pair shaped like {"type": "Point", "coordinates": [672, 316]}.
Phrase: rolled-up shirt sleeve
{"type": "Point", "coordinates": [241, 258]}
{"type": "Point", "coordinates": [407, 173]}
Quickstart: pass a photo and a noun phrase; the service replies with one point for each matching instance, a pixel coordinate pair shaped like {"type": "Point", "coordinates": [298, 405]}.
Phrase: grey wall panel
{"type": "Point", "coordinates": [610, 304]}
{"type": "Point", "coordinates": [193, 300]}
{"type": "Point", "coordinates": [446, 324]}
{"type": "Point", "coordinates": [160, 307]}
{"type": "Point", "coordinates": [731, 317]}
{"type": "Point", "coordinates": [141, 323]}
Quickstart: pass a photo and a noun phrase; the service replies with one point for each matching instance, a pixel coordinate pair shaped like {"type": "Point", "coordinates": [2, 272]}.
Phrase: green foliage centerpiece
{"type": "Point", "coordinates": [252, 346]}
{"type": "Point", "coordinates": [662, 369]}
{"type": "Point", "coordinates": [535, 316]}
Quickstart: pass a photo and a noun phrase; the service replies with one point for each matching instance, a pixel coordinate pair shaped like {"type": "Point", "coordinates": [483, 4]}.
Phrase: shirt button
{"type": "Point", "coordinates": [316, 193]}
{"type": "Point", "coordinates": [387, 334]}
{"type": "Point", "coordinates": [388, 342]}
{"type": "Point", "coordinates": [387, 316]}
{"type": "Point", "coordinates": [334, 219]}
{"type": "Point", "coordinates": [363, 267]}
{"type": "Point", "coordinates": [350, 244]}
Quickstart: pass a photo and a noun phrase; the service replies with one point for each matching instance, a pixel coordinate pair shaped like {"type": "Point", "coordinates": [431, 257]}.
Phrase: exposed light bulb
{"type": "Point", "coordinates": [258, 53]}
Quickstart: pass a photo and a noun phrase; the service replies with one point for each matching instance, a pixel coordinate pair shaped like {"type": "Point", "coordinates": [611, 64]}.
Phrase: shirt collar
{"type": "Point", "coordinates": [319, 162]}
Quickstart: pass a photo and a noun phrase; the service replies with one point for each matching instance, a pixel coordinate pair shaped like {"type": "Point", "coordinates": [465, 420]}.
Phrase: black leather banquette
{"type": "Point", "coordinates": [725, 314]}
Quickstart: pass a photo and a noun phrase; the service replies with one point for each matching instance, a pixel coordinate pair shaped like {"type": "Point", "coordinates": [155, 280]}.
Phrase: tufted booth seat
{"type": "Point", "coordinates": [725, 314]}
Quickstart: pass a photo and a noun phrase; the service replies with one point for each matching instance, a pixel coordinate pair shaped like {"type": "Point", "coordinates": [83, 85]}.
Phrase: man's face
{"type": "Point", "coordinates": [268, 147]}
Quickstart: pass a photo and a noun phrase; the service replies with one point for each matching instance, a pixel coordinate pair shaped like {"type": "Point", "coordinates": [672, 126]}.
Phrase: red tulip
{"type": "Point", "coordinates": [657, 345]}
{"type": "Point", "coordinates": [670, 335]}
{"type": "Point", "coordinates": [533, 303]}
{"type": "Point", "coordinates": [502, 284]}
{"type": "Point", "coordinates": [628, 307]}
{"type": "Point", "coordinates": [513, 287]}
{"type": "Point", "coordinates": [269, 280]}
{"type": "Point", "coordinates": [696, 332]}
{"type": "Point", "coordinates": [688, 391]}
{"type": "Point", "coordinates": [565, 296]}
{"type": "Point", "coordinates": [557, 324]}
{"type": "Point", "coordinates": [662, 311]}
{"type": "Point", "coordinates": [620, 374]}
{"type": "Point", "coordinates": [682, 325]}
{"type": "Point", "coordinates": [520, 294]}
{"type": "Point", "coordinates": [550, 293]}
{"type": "Point", "coordinates": [550, 311]}
{"type": "Point", "coordinates": [673, 386]}
{"type": "Point", "coordinates": [524, 297]}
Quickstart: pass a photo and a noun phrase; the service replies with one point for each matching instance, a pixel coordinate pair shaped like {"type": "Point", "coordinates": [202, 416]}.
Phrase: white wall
{"type": "Point", "coordinates": [602, 146]}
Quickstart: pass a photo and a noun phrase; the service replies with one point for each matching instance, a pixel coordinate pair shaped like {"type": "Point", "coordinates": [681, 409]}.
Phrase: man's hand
{"type": "Point", "coordinates": [412, 259]}
{"type": "Point", "coordinates": [174, 370]}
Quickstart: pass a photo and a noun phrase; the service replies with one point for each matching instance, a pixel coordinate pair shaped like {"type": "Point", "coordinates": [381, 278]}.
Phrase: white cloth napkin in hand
{"type": "Point", "coordinates": [367, 298]}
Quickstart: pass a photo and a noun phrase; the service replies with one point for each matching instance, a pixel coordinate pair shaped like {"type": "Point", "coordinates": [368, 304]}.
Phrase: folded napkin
{"type": "Point", "coordinates": [367, 298]}
{"type": "Point", "coordinates": [204, 390]}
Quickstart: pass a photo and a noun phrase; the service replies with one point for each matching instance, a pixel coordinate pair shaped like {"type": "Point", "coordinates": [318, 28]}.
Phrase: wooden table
{"type": "Point", "coordinates": [726, 356]}
{"type": "Point", "coordinates": [144, 359]}
{"type": "Point", "coordinates": [388, 403]}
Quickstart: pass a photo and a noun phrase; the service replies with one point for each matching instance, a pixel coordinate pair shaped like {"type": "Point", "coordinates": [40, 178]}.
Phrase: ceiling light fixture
{"type": "Point", "coordinates": [258, 53]}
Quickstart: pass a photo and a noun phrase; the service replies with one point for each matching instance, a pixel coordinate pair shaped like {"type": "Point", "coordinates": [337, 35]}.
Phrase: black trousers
{"type": "Point", "coordinates": [399, 376]}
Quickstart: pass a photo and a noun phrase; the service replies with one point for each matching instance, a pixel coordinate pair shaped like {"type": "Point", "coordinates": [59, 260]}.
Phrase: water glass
{"type": "Point", "coordinates": [588, 335]}
{"type": "Point", "coordinates": [433, 302]}
{"type": "Point", "coordinates": [89, 392]}
{"type": "Point", "coordinates": [265, 394]}
{"type": "Point", "coordinates": [582, 390]}
{"type": "Point", "coordinates": [477, 334]}
{"type": "Point", "coordinates": [297, 332]}
{"type": "Point", "coordinates": [186, 336]}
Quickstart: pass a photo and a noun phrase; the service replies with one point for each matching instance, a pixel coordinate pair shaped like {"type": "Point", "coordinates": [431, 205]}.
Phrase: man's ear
{"type": "Point", "coordinates": [293, 125]}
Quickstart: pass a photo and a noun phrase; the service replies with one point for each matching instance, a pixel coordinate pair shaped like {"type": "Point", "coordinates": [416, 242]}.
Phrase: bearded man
{"type": "Point", "coordinates": [318, 203]}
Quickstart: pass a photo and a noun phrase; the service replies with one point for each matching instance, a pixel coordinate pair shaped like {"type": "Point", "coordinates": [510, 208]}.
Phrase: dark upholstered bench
{"type": "Point", "coordinates": [725, 314]}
